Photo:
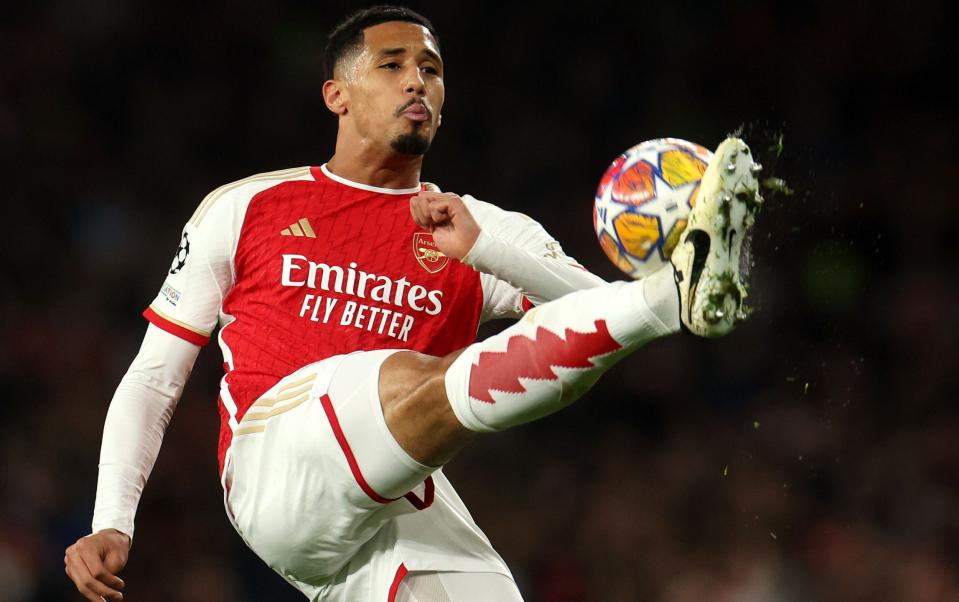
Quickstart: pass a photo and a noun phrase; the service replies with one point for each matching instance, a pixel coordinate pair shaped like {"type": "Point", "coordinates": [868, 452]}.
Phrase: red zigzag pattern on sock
{"type": "Point", "coordinates": [529, 358]}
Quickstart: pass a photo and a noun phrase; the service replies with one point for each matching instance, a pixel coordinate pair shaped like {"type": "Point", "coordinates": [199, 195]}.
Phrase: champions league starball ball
{"type": "Point", "coordinates": [643, 201]}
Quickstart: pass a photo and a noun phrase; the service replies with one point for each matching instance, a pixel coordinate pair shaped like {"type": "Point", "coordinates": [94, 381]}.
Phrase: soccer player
{"type": "Point", "coordinates": [348, 297]}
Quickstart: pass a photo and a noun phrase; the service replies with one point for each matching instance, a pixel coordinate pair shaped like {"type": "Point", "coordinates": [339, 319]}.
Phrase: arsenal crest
{"type": "Point", "coordinates": [427, 254]}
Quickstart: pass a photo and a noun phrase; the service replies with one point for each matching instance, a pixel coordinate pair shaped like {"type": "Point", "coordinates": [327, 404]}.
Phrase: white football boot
{"type": "Point", "coordinates": [706, 260]}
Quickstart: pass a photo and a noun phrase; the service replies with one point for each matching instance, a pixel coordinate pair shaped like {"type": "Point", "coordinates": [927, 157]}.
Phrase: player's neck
{"type": "Point", "coordinates": [375, 168]}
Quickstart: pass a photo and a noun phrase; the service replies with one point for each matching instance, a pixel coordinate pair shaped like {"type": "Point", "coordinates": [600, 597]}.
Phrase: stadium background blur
{"type": "Point", "coordinates": [812, 455]}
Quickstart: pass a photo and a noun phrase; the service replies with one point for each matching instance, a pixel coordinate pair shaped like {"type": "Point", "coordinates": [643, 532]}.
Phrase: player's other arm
{"type": "Point", "coordinates": [182, 317]}
{"type": "Point", "coordinates": [132, 433]}
{"type": "Point", "coordinates": [508, 245]}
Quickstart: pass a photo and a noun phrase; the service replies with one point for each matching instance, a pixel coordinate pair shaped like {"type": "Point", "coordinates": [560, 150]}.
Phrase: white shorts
{"type": "Point", "coordinates": [317, 486]}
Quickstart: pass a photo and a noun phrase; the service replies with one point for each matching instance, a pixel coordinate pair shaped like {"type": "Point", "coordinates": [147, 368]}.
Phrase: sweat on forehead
{"type": "Point", "coordinates": [348, 39]}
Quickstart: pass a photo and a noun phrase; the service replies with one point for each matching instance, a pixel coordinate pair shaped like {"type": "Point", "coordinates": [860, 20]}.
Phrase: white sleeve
{"type": "Point", "coordinates": [138, 416]}
{"type": "Point", "coordinates": [201, 274]}
{"type": "Point", "coordinates": [521, 260]}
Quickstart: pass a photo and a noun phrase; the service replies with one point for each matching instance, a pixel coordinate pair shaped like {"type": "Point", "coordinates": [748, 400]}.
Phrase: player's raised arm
{"type": "Point", "coordinates": [508, 245]}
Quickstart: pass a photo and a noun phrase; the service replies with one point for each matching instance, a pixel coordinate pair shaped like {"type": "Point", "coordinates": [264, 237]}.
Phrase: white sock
{"type": "Point", "coordinates": [551, 357]}
{"type": "Point", "coordinates": [662, 296]}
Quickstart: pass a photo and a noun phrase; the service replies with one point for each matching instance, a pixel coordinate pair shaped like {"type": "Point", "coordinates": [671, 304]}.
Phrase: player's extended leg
{"type": "Point", "coordinates": [533, 368]}
{"type": "Point", "coordinates": [558, 350]}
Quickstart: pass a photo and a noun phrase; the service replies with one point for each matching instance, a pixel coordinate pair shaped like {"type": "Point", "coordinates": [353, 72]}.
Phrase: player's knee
{"type": "Point", "coordinates": [416, 409]}
{"type": "Point", "coordinates": [412, 379]}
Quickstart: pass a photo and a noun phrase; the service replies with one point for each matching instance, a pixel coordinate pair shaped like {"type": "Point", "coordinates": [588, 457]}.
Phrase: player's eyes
{"type": "Point", "coordinates": [429, 69]}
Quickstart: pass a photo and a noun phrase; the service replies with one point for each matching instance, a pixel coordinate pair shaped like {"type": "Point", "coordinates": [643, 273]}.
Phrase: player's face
{"type": "Point", "coordinates": [396, 91]}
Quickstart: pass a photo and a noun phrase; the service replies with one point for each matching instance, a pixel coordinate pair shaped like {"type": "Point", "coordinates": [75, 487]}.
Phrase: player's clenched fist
{"type": "Point", "coordinates": [446, 216]}
{"type": "Point", "coordinates": [93, 562]}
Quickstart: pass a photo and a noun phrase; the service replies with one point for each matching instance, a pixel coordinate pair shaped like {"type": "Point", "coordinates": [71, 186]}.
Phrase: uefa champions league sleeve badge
{"type": "Point", "coordinates": [179, 260]}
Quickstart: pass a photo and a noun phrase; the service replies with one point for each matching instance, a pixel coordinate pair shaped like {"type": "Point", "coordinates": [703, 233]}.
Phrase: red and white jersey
{"type": "Point", "coordinates": [299, 265]}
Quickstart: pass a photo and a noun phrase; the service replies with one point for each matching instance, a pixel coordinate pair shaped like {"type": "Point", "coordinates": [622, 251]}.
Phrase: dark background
{"type": "Point", "coordinates": [811, 455]}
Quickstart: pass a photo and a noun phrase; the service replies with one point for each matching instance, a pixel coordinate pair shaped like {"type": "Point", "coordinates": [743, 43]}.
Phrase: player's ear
{"type": "Point", "coordinates": [336, 96]}
{"type": "Point", "coordinates": [439, 120]}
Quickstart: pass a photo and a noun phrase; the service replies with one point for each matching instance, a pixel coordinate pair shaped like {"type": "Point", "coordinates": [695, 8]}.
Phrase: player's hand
{"type": "Point", "coordinates": [93, 562]}
{"type": "Point", "coordinates": [446, 216]}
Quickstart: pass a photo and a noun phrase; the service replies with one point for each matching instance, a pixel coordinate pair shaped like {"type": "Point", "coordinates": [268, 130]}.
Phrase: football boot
{"type": "Point", "coordinates": [706, 261]}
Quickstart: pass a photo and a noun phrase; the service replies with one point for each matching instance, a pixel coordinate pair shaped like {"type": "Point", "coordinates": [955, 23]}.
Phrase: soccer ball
{"type": "Point", "coordinates": [643, 201]}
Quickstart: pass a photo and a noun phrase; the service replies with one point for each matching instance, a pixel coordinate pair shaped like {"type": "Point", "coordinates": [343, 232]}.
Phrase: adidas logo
{"type": "Point", "coordinates": [300, 228]}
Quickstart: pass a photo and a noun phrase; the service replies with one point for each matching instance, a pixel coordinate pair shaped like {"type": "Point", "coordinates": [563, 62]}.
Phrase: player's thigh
{"type": "Point", "coordinates": [457, 587]}
{"type": "Point", "coordinates": [313, 471]}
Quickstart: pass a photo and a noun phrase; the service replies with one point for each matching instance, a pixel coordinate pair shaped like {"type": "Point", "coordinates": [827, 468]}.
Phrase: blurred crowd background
{"type": "Point", "coordinates": [813, 455]}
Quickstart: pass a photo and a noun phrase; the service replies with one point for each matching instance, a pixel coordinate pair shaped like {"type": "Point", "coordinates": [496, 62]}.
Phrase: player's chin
{"type": "Point", "coordinates": [414, 143]}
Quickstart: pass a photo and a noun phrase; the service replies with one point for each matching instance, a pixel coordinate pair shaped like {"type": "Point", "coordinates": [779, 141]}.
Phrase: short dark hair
{"type": "Point", "coordinates": [349, 33]}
